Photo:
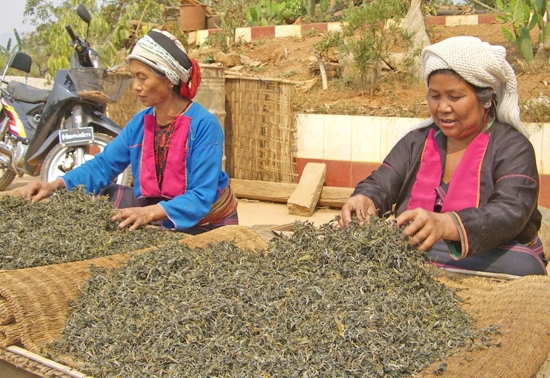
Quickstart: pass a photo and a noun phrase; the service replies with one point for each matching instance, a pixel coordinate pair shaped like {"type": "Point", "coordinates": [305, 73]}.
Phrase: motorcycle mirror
{"type": "Point", "coordinates": [83, 13]}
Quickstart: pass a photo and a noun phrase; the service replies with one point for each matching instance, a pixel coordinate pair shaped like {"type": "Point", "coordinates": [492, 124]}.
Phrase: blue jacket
{"type": "Point", "coordinates": [205, 178]}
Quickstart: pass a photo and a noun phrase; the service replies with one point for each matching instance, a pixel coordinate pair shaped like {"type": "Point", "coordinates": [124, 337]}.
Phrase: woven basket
{"type": "Point", "coordinates": [98, 84]}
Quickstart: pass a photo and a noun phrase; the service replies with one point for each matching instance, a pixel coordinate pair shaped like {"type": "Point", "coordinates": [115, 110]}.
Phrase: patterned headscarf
{"type": "Point", "coordinates": [163, 52]}
{"type": "Point", "coordinates": [482, 65]}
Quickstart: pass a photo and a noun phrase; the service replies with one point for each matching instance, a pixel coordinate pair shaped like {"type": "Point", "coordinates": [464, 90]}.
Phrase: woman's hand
{"type": "Point", "coordinates": [138, 216]}
{"type": "Point", "coordinates": [426, 227]}
{"type": "Point", "coordinates": [34, 191]}
{"type": "Point", "coordinates": [361, 205]}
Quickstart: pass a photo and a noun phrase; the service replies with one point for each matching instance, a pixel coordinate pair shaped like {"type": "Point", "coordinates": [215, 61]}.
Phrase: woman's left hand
{"type": "Point", "coordinates": [138, 216]}
{"type": "Point", "coordinates": [427, 227]}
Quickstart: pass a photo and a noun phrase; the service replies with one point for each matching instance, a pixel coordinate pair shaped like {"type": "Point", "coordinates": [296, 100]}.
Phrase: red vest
{"type": "Point", "coordinates": [464, 187]}
{"type": "Point", "coordinates": [175, 173]}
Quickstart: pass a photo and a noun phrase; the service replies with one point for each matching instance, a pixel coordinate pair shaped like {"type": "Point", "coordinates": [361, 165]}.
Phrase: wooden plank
{"type": "Point", "coordinates": [304, 199]}
{"type": "Point", "coordinates": [46, 362]}
{"type": "Point", "coordinates": [499, 276]}
{"type": "Point", "coordinates": [262, 190]}
{"type": "Point", "coordinates": [335, 197]}
{"type": "Point", "coordinates": [279, 192]}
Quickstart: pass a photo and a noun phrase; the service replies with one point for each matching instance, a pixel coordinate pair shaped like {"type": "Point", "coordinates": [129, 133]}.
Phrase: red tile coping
{"type": "Point", "coordinates": [259, 32]}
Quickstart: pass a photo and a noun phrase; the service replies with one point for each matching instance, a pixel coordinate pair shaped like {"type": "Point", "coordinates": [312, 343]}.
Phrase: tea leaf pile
{"type": "Point", "coordinates": [324, 302]}
{"type": "Point", "coordinates": [71, 226]}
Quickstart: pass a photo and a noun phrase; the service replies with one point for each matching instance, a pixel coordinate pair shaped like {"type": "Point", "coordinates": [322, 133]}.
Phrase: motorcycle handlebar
{"type": "Point", "coordinates": [72, 35]}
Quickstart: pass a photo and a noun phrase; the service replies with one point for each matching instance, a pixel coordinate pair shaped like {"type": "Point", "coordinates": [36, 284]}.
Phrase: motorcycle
{"type": "Point", "coordinates": [49, 132]}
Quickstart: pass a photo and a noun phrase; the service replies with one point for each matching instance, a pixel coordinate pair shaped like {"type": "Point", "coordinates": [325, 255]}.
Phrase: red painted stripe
{"type": "Point", "coordinates": [359, 171]}
{"type": "Point", "coordinates": [259, 32]}
{"type": "Point", "coordinates": [544, 191]}
{"type": "Point", "coordinates": [435, 20]}
{"type": "Point", "coordinates": [318, 27]}
{"type": "Point", "coordinates": [338, 173]}
{"type": "Point", "coordinates": [486, 18]}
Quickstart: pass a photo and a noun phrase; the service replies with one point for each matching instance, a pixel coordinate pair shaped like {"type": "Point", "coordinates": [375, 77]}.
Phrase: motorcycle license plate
{"type": "Point", "coordinates": [76, 137]}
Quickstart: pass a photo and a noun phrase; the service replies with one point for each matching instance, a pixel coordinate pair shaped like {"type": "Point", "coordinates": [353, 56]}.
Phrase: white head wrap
{"type": "Point", "coordinates": [482, 65]}
{"type": "Point", "coordinates": [155, 56]}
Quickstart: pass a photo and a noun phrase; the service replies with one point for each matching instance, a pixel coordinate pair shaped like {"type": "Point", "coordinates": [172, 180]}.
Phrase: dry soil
{"type": "Point", "coordinates": [290, 58]}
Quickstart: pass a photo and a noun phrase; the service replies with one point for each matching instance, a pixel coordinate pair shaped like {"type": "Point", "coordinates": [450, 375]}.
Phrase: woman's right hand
{"type": "Point", "coordinates": [34, 191]}
{"type": "Point", "coordinates": [361, 205]}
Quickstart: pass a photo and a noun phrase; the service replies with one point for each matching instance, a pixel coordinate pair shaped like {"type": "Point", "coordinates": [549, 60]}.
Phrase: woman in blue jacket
{"type": "Point", "coordinates": [174, 146]}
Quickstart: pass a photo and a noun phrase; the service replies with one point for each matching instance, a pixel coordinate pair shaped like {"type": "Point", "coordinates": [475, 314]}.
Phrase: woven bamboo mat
{"type": "Point", "coordinates": [34, 301]}
{"type": "Point", "coordinates": [31, 366]}
{"type": "Point", "coordinates": [523, 343]}
{"type": "Point", "coordinates": [519, 307]}
{"type": "Point", "coordinates": [33, 304]}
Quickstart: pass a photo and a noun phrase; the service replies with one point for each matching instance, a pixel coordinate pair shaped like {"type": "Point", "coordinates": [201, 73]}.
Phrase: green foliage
{"type": "Point", "coordinates": [7, 51]}
{"type": "Point", "coordinates": [325, 10]}
{"type": "Point", "coordinates": [208, 59]}
{"type": "Point", "coordinates": [232, 15]}
{"type": "Point", "coordinates": [286, 75]}
{"type": "Point", "coordinates": [268, 12]}
{"type": "Point", "coordinates": [218, 40]}
{"type": "Point", "coordinates": [371, 33]}
{"type": "Point", "coordinates": [524, 16]}
{"type": "Point", "coordinates": [323, 5]}
{"type": "Point", "coordinates": [328, 46]}
{"type": "Point", "coordinates": [111, 31]}
{"type": "Point", "coordinates": [537, 109]}
{"type": "Point", "coordinates": [125, 33]}
{"type": "Point", "coordinates": [310, 8]}
{"type": "Point", "coordinates": [429, 9]}
{"type": "Point", "coordinates": [295, 9]}
{"type": "Point", "coordinates": [49, 44]}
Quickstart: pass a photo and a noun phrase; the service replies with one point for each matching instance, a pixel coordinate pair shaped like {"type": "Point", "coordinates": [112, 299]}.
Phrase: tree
{"type": "Point", "coordinates": [7, 51]}
{"type": "Point", "coordinates": [371, 33]}
{"type": "Point", "coordinates": [114, 28]}
{"type": "Point", "coordinates": [50, 42]}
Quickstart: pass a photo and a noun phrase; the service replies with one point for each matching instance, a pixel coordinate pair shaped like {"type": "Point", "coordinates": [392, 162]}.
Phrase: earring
{"type": "Point", "coordinates": [487, 105]}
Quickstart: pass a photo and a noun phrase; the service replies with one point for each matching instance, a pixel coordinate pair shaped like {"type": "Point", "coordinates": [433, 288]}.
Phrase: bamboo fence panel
{"type": "Point", "coordinates": [259, 132]}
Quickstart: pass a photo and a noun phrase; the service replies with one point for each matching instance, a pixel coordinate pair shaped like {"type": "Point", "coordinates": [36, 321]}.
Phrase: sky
{"type": "Point", "coordinates": [12, 17]}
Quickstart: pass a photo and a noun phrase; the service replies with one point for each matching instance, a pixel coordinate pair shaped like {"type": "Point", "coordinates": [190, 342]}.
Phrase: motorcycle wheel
{"type": "Point", "coordinates": [62, 157]}
{"type": "Point", "coordinates": [6, 176]}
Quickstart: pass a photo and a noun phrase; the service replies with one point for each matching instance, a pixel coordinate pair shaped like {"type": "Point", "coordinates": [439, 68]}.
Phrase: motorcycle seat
{"type": "Point", "coordinates": [25, 93]}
